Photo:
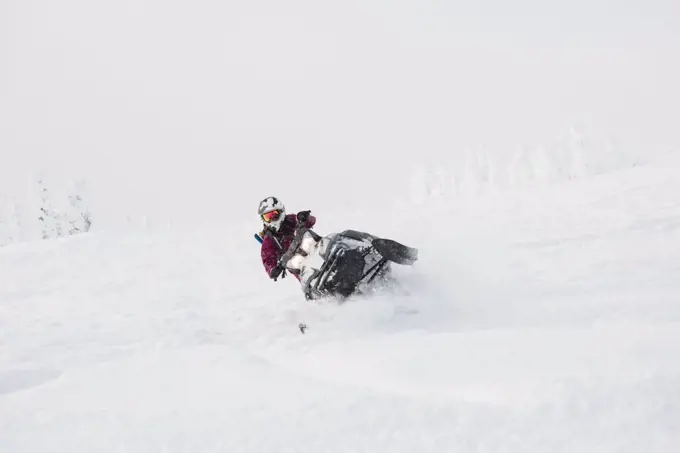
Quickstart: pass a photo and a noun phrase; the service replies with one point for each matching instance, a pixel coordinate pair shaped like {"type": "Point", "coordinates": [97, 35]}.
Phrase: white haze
{"type": "Point", "coordinates": [193, 111]}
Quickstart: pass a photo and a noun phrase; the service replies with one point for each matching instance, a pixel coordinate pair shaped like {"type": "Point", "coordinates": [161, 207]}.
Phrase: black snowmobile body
{"type": "Point", "coordinates": [343, 264]}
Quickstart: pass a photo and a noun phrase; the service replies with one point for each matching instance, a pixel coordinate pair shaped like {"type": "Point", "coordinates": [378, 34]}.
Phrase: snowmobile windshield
{"type": "Point", "coordinates": [306, 248]}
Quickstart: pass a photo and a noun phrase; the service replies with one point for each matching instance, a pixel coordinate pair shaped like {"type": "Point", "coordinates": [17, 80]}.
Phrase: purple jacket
{"type": "Point", "coordinates": [270, 251]}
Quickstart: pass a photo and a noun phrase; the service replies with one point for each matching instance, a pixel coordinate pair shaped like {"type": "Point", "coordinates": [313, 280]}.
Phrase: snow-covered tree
{"type": "Point", "coordinates": [50, 219]}
{"type": "Point", "coordinates": [64, 212]}
{"type": "Point", "coordinates": [80, 216]}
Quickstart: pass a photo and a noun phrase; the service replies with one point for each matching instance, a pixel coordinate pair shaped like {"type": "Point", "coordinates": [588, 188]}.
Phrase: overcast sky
{"type": "Point", "coordinates": [170, 106]}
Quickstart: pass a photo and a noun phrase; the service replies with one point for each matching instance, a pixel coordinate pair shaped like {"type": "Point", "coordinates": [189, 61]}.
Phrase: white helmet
{"type": "Point", "coordinates": [272, 213]}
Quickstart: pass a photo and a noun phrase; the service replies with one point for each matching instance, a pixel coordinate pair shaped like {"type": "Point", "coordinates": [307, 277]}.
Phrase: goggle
{"type": "Point", "coordinates": [271, 216]}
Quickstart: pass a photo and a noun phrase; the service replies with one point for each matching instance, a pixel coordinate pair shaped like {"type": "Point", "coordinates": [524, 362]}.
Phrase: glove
{"type": "Point", "coordinates": [303, 216]}
{"type": "Point", "coordinates": [278, 271]}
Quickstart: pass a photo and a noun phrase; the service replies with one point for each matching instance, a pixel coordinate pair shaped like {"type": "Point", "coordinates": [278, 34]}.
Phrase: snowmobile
{"type": "Point", "coordinates": [343, 264]}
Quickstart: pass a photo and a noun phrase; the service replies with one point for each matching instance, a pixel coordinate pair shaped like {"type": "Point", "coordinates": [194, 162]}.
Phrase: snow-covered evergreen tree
{"type": "Point", "coordinates": [80, 216]}
{"type": "Point", "coordinates": [50, 219]}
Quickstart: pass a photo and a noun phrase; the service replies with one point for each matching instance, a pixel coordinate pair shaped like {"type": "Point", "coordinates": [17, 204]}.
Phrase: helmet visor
{"type": "Point", "coordinates": [271, 216]}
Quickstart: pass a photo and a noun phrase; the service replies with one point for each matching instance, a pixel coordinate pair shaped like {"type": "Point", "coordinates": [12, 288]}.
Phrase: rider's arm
{"type": "Point", "coordinates": [270, 254]}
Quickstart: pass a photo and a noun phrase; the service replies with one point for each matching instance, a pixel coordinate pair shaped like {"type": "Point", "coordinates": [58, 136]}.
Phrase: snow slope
{"type": "Point", "coordinates": [542, 317]}
{"type": "Point", "coordinates": [536, 320]}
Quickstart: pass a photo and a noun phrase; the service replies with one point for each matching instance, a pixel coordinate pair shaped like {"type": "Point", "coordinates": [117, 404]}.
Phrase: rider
{"type": "Point", "coordinates": [278, 233]}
